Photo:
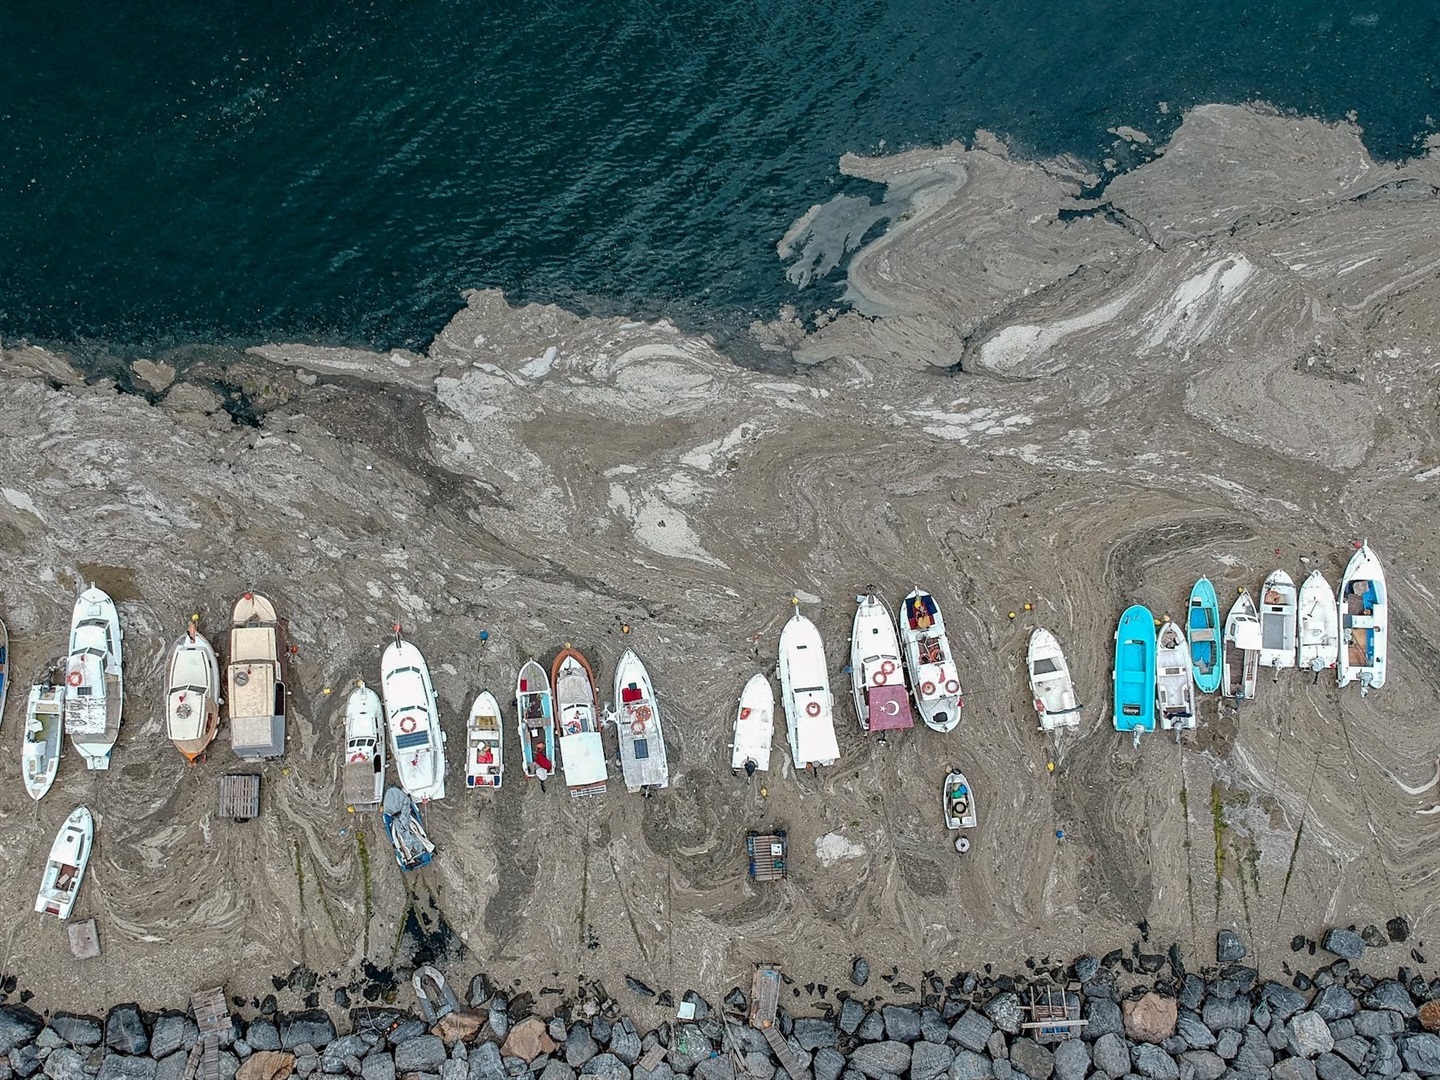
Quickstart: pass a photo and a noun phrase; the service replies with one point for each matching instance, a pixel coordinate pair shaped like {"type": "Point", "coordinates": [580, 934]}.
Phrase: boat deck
{"type": "Point", "coordinates": [643, 760]}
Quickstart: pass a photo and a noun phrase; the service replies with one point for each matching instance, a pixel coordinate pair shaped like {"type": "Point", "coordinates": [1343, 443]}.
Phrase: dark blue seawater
{"type": "Point", "coordinates": [220, 171]}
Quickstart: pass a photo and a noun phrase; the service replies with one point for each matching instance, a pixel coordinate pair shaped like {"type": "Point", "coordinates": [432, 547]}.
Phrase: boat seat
{"type": "Point", "coordinates": [1204, 633]}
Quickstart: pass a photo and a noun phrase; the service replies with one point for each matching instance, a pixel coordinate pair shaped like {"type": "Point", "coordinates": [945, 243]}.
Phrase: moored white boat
{"type": "Point", "coordinates": [412, 716]}
{"type": "Point", "coordinates": [192, 694]}
{"type": "Point", "coordinates": [65, 869]}
{"type": "Point", "coordinates": [1318, 624]}
{"type": "Point", "coordinates": [406, 828]}
{"type": "Point", "coordinates": [1277, 621]}
{"type": "Point", "coordinates": [933, 674]}
{"type": "Point", "coordinates": [255, 680]}
{"type": "Point", "coordinates": [94, 679]}
{"type": "Point", "coordinates": [805, 694]}
{"type": "Point", "coordinates": [1240, 662]}
{"type": "Point", "coordinates": [1363, 612]}
{"type": "Point", "coordinates": [877, 674]}
{"type": "Point", "coordinates": [577, 714]}
{"type": "Point", "coordinates": [484, 743]}
{"type": "Point", "coordinates": [754, 726]}
{"type": "Point", "coordinates": [363, 771]}
{"type": "Point", "coordinates": [958, 805]}
{"type": "Point", "coordinates": [40, 748]}
{"type": "Point", "coordinates": [535, 721]}
{"type": "Point", "coordinates": [1051, 686]}
{"type": "Point", "coordinates": [643, 759]}
{"type": "Point", "coordinates": [1174, 680]}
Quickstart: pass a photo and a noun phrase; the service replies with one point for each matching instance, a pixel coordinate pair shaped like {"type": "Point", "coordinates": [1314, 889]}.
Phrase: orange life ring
{"type": "Point", "coordinates": [637, 728]}
{"type": "Point", "coordinates": [357, 757]}
{"type": "Point", "coordinates": [952, 686]}
{"type": "Point", "coordinates": [407, 724]}
{"type": "Point", "coordinates": [643, 712]}
{"type": "Point", "coordinates": [572, 728]}
{"type": "Point", "coordinates": [927, 689]}
{"type": "Point", "coordinates": [888, 667]}
{"type": "Point", "coordinates": [813, 709]}
{"type": "Point", "coordinates": [75, 678]}
{"type": "Point", "coordinates": [878, 679]}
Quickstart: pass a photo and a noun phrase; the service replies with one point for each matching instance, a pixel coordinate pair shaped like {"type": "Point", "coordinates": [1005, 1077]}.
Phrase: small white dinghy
{"type": "Point", "coordinates": [1240, 665]}
{"type": "Point", "coordinates": [933, 675]}
{"type": "Point", "coordinates": [363, 780]}
{"type": "Point", "coordinates": [877, 677]}
{"type": "Point", "coordinates": [577, 712]}
{"type": "Point", "coordinates": [484, 743]}
{"type": "Point", "coordinates": [958, 804]}
{"type": "Point", "coordinates": [1363, 622]}
{"type": "Point", "coordinates": [1174, 680]}
{"type": "Point", "coordinates": [1277, 621]}
{"type": "Point", "coordinates": [1318, 630]}
{"type": "Point", "coordinates": [413, 717]}
{"type": "Point", "coordinates": [1051, 686]}
{"type": "Point", "coordinates": [192, 694]}
{"type": "Point", "coordinates": [41, 746]}
{"type": "Point", "coordinates": [65, 869]}
{"type": "Point", "coordinates": [805, 694]}
{"type": "Point", "coordinates": [754, 727]}
{"type": "Point", "coordinates": [643, 759]}
{"type": "Point", "coordinates": [95, 687]}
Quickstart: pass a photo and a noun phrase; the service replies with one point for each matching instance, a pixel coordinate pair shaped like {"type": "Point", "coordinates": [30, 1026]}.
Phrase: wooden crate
{"type": "Point", "coordinates": [240, 796]}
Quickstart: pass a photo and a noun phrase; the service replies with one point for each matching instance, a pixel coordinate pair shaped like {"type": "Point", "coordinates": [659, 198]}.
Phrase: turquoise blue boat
{"type": "Point", "coordinates": [1135, 671]}
{"type": "Point", "coordinates": [1203, 630]}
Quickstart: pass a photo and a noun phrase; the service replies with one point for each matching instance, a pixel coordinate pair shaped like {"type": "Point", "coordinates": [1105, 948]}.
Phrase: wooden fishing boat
{"type": "Point", "coordinates": [1364, 621]}
{"type": "Point", "coordinates": [192, 694]}
{"type": "Point", "coordinates": [1051, 687]}
{"type": "Point", "coordinates": [805, 694]}
{"type": "Point", "coordinates": [94, 679]}
{"type": "Point", "coordinates": [1317, 624]}
{"type": "Point", "coordinates": [65, 869]}
{"type": "Point", "coordinates": [1174, 683]}
{"type": "Point", "coordinates": [363, 771]}
{"type": "Point", "coordinates": [1202, 624]}
{"type": "Point", "coordinates": [484, 743]}
{"type": "Point", "coordinates": [643, 759]}
{"type": "Point", "coordinates": [877, 673]}
{"type": "Point", "coordinates": [933, 674]}
{"type": "Point", "coordinates": [754, 726]}
{"type": "Point", "coordinates": [412, 716]}
{"type": "Point", "coordinates": [535, 721]}
{"type": "Point", "coordinates": [958, 805]}
{"type": "Point", "coordinates": [1134, 674]}
{"type": "Point", "coordinates": [577, 713]}
{"type": "Point", "coordinates": [255, 680]}
{"type": "Point", "coordinates": [405, 827]}
{"type": "Point", "coordinates": [1277, 621]}
{"type": "Point", "coordinates": [44, 723]}
{"type": "Point", "coordinates": [1241, 660]}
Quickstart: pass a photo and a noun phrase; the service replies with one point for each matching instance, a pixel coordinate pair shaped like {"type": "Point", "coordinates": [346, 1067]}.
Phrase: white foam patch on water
{"type": "Point", "coordinates": [1193, 310]}
{"type": "Point", "coordinates": [832, 848]}
{"type": "Point", "coordinates": [540, 366]}
{"type": "Point", "coordinates": [20, 501]}
{"type": "Point", "coordinates": [659, 525]}
{"type": "Point", "coordinates": [705, 456]}
{"type": "Point", "coordinates": [1023, 344]}
{"type": "Point", "coordinates": [963, 426]}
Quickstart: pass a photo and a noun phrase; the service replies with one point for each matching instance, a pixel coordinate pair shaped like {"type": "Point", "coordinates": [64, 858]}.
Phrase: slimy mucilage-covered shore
{"type": "Point", "coordinates": [1223, 364]}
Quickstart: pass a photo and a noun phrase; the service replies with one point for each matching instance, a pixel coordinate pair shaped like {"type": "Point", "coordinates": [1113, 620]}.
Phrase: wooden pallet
{"type": "Point", "coordinates": [764, 1008]}
{"type": "Point", "coordinates": [768, 857]}
{"type": "Point", "coordinates": [212, 1017]}
{"type": "Point", "coordinates": [240, 796]}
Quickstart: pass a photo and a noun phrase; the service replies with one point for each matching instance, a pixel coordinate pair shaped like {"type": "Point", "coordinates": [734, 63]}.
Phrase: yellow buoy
{"type": "Point", "coordinates": [764, 792]}
{"type": "Point", "coordinates": [1012, 614]}
{"type": "Point", "coordinates": [326, 690]}
{"type": "Point", "coordinates": [1049, 766]}
{"type": "Point", "coordinates": [624, 627]}
{"type": "Point", "coordinates": [795, 601]}
{"type": "Point", "coordinates": [1029, 607]}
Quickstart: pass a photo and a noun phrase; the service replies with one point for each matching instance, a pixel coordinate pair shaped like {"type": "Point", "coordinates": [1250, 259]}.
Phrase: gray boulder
{"type": "Point", "coordinates": [125, 1030]}
{"type": "Point", "coordinates": [1150, 1060]}
{"type": "Point", "coordinates": [1189, 1027]}
{"type": "Point", "coordinates": [1293, 1069]}
{"type": "Point", "coordinates": [423, 1053]}
{"type": "Point", "coordinates": [1072, 1060]}
{"type": "Point", "coordinates": [378, 1066]}
{"type": "Point", "coordinates": [1371, 1023]}
{"type": "Point", "coordinates": [625, 1043]}
{"type": "Point", "coordinates": [405, 1030]}
{"type": "Point", "coordinates": [1086, 968]}
{"type": "Point", "coordinates": [827, 1064]}
{"type": "Point", "coordinates": [1334, 1003]}
{"type": "Point", "coordinates": [1103, 1017]}
{"type": "Point", "coordinates": [1032, 1059]}
{"type": "Point", "coordinates": [1284, 1001]}
{"type": "Point", "coordinates": [1421, 1052]}
{"type": "Point", "coordinates": [929, 1060]}
{"type": "Point", "coordinates": [813, 1032]}
{"type": "Point", "coordinates": [1192, 992]}
{"type": "Point", "coordinates": [1004, 1012]}
{"type": "Point", "coordinates": [1354, 1050]}
{"type": "Point", "coordinates": [1334, 1067]}
{"type": "Point", "coordinates": [871, 1028]}
{"type": "Point", "coordinates": [1309, 1035]}
{"type": "Point", "coordinates": [1384, 1057]}
{"type": "Point", "coordinates": [1389, 994]}
{"type": "Point", "coordinates": [312, 1027]}
{"type": "Point", "coordinates": [1227, 1043]}
{"type": "Point", "coordinates": [262, 1035]}
{"type": "Point", "coordinates": [997, 1047]}
{"type": "Point", "coordinates": [555, 1069]}
{"type": "Point", "coordinates": [485, 1062]}
{"type": "Point", "coordinates": [851, 1013]}
{"type": "Point", "coordinates": [972, 1030]}
{"type": "Point", "coordinates": [1111, 1055]}
{"type": "Point", "coordinates": [1344, 943]}
{"type": "Point", "coordinates": [1228, 947]}
{"type": "Point", "coordinates": [1220, 1014]}
{"type": "Point", "coordinates": [126, 1067]}
{"type": "Point", "coordinates": [900, 1023]}
{"type": "Point", "coordinates": [609, 1067]}
{"type": "Point", "coordinates": [73, 1029]}
{"type": "Point", "coordinates": [172, 1031]}
{"type": "Point", "coordinates": [877, 1059]}
{"type": "Point", "coordinates": [580, 1046]}
{"type": "Point", "coordinates": [172, 1066]}
{"type": "Point", "coordinates": [65, 1064]}
{"type": "Point", "coordinates": [969, 1065]}
{"type": "Point", "coordinates": [1254, 1058]}
{"type": "Point", "coordinates": [1204, 1064]}
{"type": "Point", "coordinates": [25, 1061]}
{"type": "Point", "coordinates": [933, 1028]}
{"type": "Point", "coordinates": [689, 1046]}
{"type": "Point", "coordinates": [760, 1066]}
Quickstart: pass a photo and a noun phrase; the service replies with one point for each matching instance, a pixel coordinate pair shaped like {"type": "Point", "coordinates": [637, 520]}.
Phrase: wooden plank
{"type": "Point", "coordinates": [781, 1050]}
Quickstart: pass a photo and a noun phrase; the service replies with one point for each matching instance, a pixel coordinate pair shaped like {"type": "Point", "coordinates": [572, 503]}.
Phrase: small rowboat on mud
{"type": "Point", "coordinates": [1364, 621]}
{"type": "Point", "coordinates": [94, 679]}
{"type": "Point", "coordinates": [363, 772]}
{"type": "Point", "coordinates": [535, 722]}
{"type": "Point", "coordinates": [1318, 625]}
{"type": "Point", "coordinates": [958, 804]}
{"type": "Point", "coordinates": [412, 715]}
{"type": "Point", "coordinates": [933, 674]}
{"type": "Point", "coordinates": [643, 759]}
{"type": "Point", "coordinates": [1203, 633]}
{"type": "Point", "coordinates": [1277, 621]}
{"type": "Point", "coordinates": [1174, 684]}
{"type": "Point", "coordinates": [582, 749]}
{"type": "Point", "coordinates": [1051, 686]}
{"type": "Point", "coordinates": [1134, 674]}
{"type": "Point", "coordinates": [192, 694]}
{"type": "Point", "coordinates": [484, 743]}
{"type": "Point", "coordinates": [65, 869]}
{"type": "Point", "coordinates": [877, 677]}
{"type": "Point", "coordinates": [40, 748]}
{"type": "Point", "coordinates": [805, 694]}
{"type": "Point", "coordinates": [754, 726]}
{"type": "Point", "coordinates": [406, 829]}
{"type": "Point", "coordinates": [1241, 664]}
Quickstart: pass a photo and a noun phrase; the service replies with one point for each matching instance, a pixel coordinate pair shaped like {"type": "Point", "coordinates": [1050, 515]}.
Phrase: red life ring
{"type": "Point", "coordinates": [407, 724]}
{"type": "Point", "coordinates": [637, 727]}
{"type": "Point", "coordinates": [572, 728]}
{"type": "Point", "coordinates": [813, 709]}
{"type": "Point", "coordinates": [356, 758]}
{"type": "Point", "coordinates": [879, 677]}
{"type": "Point", "coordinates": [75, 678]}
{"type": "Point", "coordinates": [745, 713]}
{"type": "Point", "coordinates": [1039, 705]}
{"type": "Point", "coordinates": [888, 667]}
{"type": "Point", "coordinates": [927, 689]}
{"type": "Point", "coordinates": [952, 686]}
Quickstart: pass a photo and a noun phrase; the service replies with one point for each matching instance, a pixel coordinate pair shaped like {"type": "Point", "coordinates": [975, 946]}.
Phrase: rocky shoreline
{"type": "Point", "coordinates": [1144, 1015]}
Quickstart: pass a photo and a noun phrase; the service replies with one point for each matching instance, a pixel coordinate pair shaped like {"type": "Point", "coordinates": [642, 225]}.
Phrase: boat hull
{"type": "Point", "coordinates": [192, 695]}
{"type": "Point", "coordinates": [805, 695]}
{"type": "Point", "coordinates": [535, 722]}
{"type": "Point", "coordinates": [412, 718]}
{"type": "Point", "coordinates": [95, 681]}
{"type": "Point", "coordinates": [643, 758]}
{"type": "Point", "coordinates": [43, 740]}
{"type": "Point", "coordinates": [363, 769]}
{"type": "Point", "coordinates": [1204, 634]}
{"type": "Point", "coordinates": [934, 676]}
{"type": "Point", "coordinates": [485, 744]}
{"type": "Point", "coordinates": [1363, 615]}
{"type": "Point", "coordinates": [577, 713]}
{"type": "Point", "coordinates": [255, 693]}
{"type": "Point", "coordinates": [1318, 625]}
{"type": "Point", "coordinates": [958, 802]}
{"type": "Point", "coordinates": [1134, 672]}
{"type": "Point", "coordinates": [1277, 621]}
{"type": "Point", "coordinates": [877, 673]}
{"type": "Point", "coordinates": [65, 868]}
{"type": "Point", "coordinates": [1240, 666]}
{"type": "Point", "coordinates": [1052, 690]}
{"type": "Point", "coordinates": [1174, 683]}
{"type": "Point", "coordinates": [754, 726]}
{"type": "Point", "coordinates": [405, 826]}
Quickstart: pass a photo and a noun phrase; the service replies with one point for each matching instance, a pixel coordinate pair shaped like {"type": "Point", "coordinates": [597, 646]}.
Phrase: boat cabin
{"type": "Point", "coordinates": [255, 684]}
